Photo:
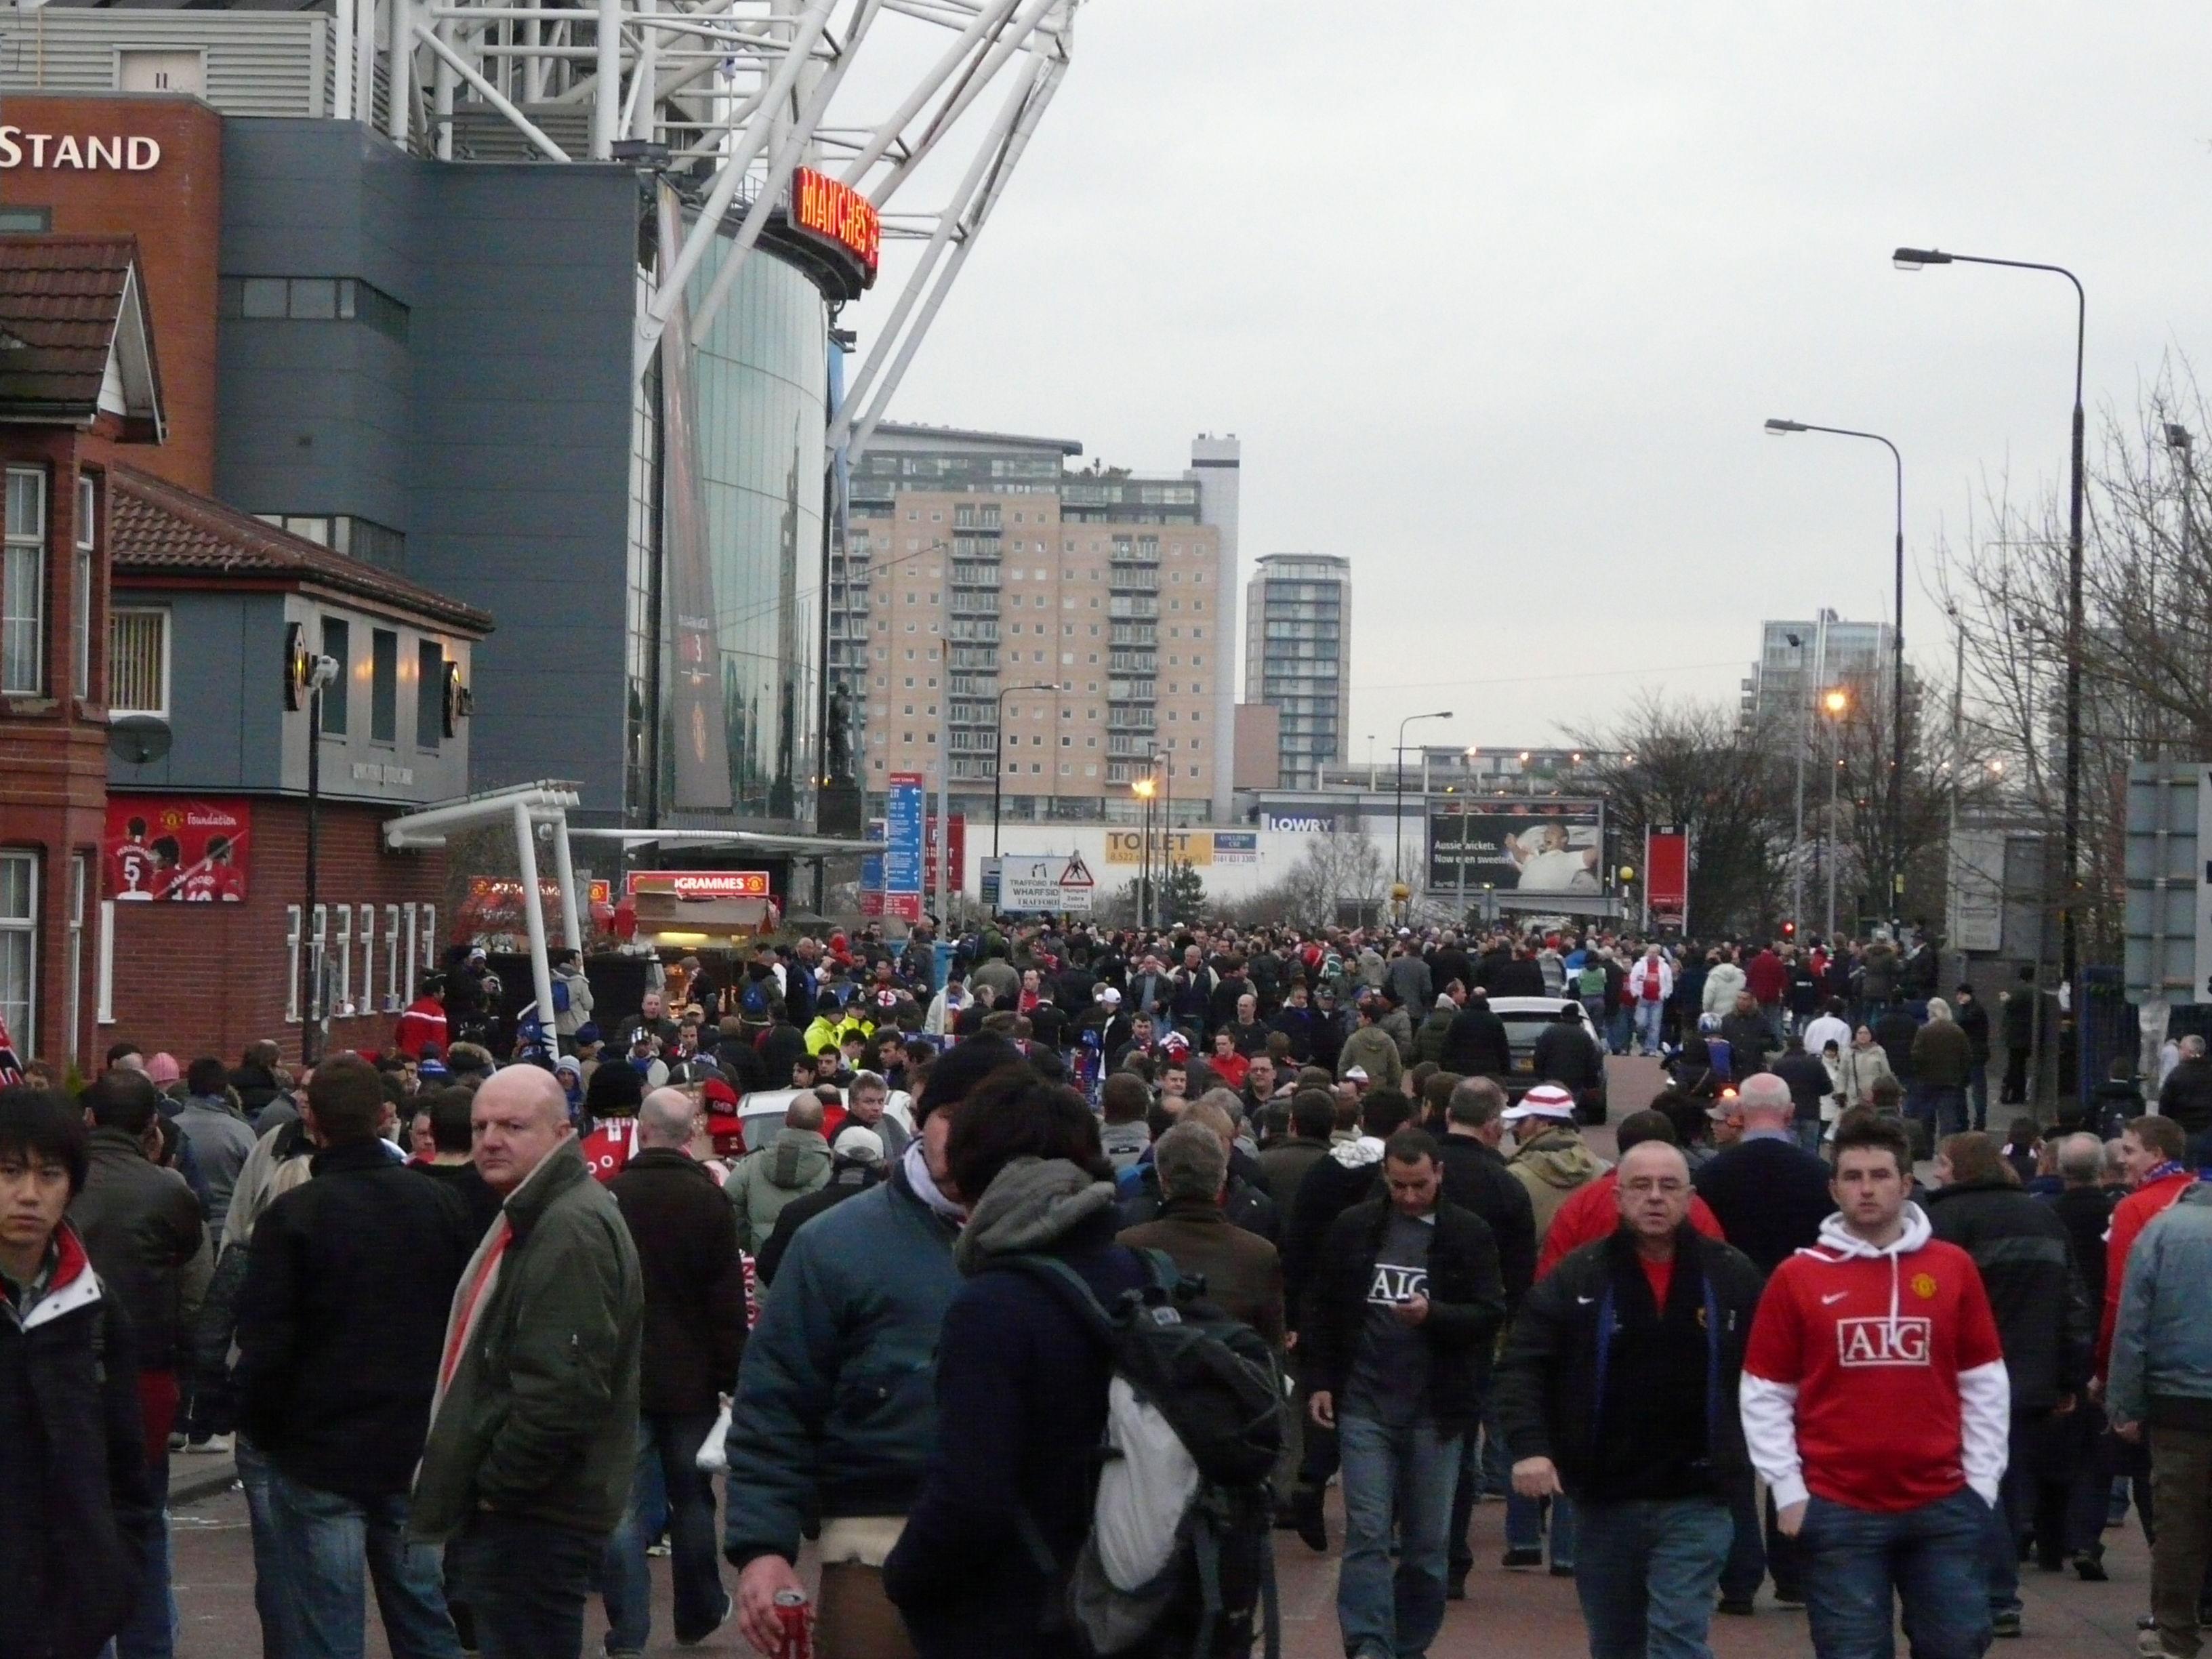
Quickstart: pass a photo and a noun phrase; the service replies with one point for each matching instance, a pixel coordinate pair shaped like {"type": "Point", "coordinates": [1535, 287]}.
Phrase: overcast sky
{"type": "Point", "coordinates": [1497, 298]}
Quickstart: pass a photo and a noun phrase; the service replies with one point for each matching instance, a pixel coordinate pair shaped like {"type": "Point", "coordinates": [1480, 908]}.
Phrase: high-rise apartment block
{"type": "Point", "coordinates": [1096, 607]}
{"type": "Point", "coordinates": [1298, 624]}
{"type": "Point", "coordinates": [1797, 660]}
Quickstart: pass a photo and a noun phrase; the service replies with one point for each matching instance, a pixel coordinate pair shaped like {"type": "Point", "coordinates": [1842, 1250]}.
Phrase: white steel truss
{"type": "Point", "coordinates": [734, 95]}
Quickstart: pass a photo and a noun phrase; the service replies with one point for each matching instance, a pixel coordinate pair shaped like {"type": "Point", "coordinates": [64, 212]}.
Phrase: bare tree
{"type": "Point", "coordinates": [2146, 637]}
{"type": "Point", "coordinates": [1341, 866]}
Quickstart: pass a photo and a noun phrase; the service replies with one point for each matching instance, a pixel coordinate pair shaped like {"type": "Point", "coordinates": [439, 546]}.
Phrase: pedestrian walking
{"type": "Point", "coordinates": [143, 1228]}
{"type": "Point", "coordinates": [2161, 1391]}
{"type": "Point", "coordinates": [337, 1357]}
{"type": "Point", "coordinates": [75, 1505]}
{"type": "Point", "coordinates": [1406, 1303]}
{"type": "Point", "coordinates": [1618, 1386]}
{"type": "Point", "coordinates": [533, 1427]}
{"type": "Point", "coordinates": [2021, 1248]}
{"type": "Point", "coordinates": [1875, 1406]}
{"type": "Point", "coordinates": [835, 1412]}
{"type": "Point", "coordinates": [686, 1239]}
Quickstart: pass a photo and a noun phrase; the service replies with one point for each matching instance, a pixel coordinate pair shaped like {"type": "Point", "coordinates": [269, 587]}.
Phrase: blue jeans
{"type": "Point", "coordinates": [1933, 1558]}
{"type": "Point", "coordinates": [1809, 1132]}
{"type": "Point", "coordinates": [1647, 1026]}
{"type": "Point", "coordinates": [1978, 1093]}
{"type": "Point", "coordinates": [150, 1632]}
{"type": "Point", "coordinates": [278, 1639]}
{"type": "Point", "coordinates": [666, 1444]}
{"type": "Point", "coordinates": [331, 1548]}
{"type": "Point", "coordinates": [525, 1583]}
{"type": "Point", "coordinates": [2014, 1514]}
{"type": "Point", "coordinates": [1940, 1106]}
{"type": "Point", "coordinates": [1616, 1030]}
{"type": "Point", "coordinates": [1525, 1528]}
{"type": "Point", "coordinates": [1406, 1475]}
{"type": "Point", "coordinates": [1645, 1576]}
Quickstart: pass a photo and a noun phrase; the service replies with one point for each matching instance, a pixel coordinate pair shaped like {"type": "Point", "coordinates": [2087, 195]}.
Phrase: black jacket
{"type": "Point", "coordinates": [848, 1178]}
{"type": "Point", "coordinates": [1476, 1178]}
{"type": "Point", "coordinates": [475, 1194]}
{"type": "Point", "coordinates": [73, 1498]}
{"type": "Point", "coordinates": [1565, 1055]}
{"type": "Point", "coordinates": [1808, 1078]}
{"type": "Point", "coordinates": [148, 1242]}
{"type": "Point", "coordinates": [1769, 1195]}
{"type": "Point", "coordinates": [1331, 1187]}
{"type": "Point", "coordinates": [1895, 1031]}
{"type": "Point", "coordinates": [2186, 1096]}
{"type": "Point", "coordinates": [342, 1319]}
{"type": "Point", "coordinates": [686, 1236]}
{"type": "Point", "coordinates": [1750, 1040]}
{"type": "Point", "coordinates": [1476, 1046]}
{"type": "Point", "coordinates": [2026, 1263]}
{"type": "Point", "coordinates": [1467, 1304]}
{"type": "Point", "coordinates": [1547, 1386]}
{"type": "Point", "coordinates": [1974, 1020]}
{"type": "Point", "coordinates": [2086, 1213]}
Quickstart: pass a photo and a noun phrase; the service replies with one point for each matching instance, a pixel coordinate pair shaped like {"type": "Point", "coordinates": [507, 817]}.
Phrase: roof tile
{"type": "Point", "coordinates": [158, 528]}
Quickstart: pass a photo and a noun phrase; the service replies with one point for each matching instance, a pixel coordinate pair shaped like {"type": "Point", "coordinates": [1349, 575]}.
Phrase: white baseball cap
{"type": "Point", "coordinates": [1545, 1100]}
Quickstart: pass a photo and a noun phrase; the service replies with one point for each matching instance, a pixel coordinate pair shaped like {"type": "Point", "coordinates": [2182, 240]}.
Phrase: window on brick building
{"type": "Point", "coordinates": [87, 510]}
{"type": "Point", "coordinates": [23, 585]}
{"type": "Point", "coordinates": [19, 946]}
{"type": "Point", "coordinates": [337, 646]}
{"type": "Point", "coordinates": [429, 694]}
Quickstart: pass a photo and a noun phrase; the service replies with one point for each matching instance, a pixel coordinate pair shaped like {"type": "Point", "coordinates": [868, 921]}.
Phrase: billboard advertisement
{"type": "Point", "coordinates": [1196, 847]}
{"type": "Point", "coordinates": [1666, 876]}
{"type": "Point", "coordinates": [1517, 846]}
{"type": "Point", "coordinates": [902, 865]}
{"type": "Point", "coordinates": [169, 847]}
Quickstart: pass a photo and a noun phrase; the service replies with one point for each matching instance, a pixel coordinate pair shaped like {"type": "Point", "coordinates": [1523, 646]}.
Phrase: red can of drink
{"type": "Point", "coordinates": [797, 1618]}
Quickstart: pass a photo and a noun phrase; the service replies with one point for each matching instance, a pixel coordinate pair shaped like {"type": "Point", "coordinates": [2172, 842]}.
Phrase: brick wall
{"type": "Point", "coordinates": [197, 979]}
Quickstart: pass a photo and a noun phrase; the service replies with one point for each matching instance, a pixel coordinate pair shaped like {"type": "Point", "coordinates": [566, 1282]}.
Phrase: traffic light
{"type": "Point", "coordinates": [1788, 930]}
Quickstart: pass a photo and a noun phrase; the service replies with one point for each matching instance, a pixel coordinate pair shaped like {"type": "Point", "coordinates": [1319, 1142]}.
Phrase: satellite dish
{"type": "Point", "coordinates": [138, 740]}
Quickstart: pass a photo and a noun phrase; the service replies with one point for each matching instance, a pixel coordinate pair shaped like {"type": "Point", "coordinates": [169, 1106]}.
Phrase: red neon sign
{"type": "Point", "coordinates": [839, 214]}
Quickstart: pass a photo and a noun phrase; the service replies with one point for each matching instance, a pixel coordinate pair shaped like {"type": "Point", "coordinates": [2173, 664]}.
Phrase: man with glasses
{"type": "Point", "coordinates": [1619, 1388]}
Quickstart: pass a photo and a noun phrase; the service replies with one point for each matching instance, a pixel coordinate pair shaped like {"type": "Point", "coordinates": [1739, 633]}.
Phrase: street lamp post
{"type": "Point", "coordinates": [998, 756]}
{"type": "Point", "coordinates": [1398, 817]}
{"type": "Point", "coordinates": [1913, 258]}
{"type": "Point", "coordinates": [1144, 787]}
{"type": "Point", "coordinates": [1835, 702]}
{"type": "Point", "coordinates": [1897, 663]}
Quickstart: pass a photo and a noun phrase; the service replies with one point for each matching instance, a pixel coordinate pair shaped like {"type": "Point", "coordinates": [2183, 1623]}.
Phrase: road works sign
{"type": "Point", "coordinates": [1056, 882]}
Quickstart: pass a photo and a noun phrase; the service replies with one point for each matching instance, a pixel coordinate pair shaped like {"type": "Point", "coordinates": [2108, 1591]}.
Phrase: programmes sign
{"type": "Point", "coordinates": [700, 884]}
{"type": "Point", "coordinates": [1524, 846]}
{"type": "Point", "coordinates": [166, 847]}
{"type": "Point", "coordinates": [902, 870]}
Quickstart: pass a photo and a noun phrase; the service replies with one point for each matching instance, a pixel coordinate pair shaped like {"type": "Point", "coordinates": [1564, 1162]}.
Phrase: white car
{"type": "Point", "coordinates": [760, 1114]}
{"type": "Point", "coordinates": [1524, 1018]}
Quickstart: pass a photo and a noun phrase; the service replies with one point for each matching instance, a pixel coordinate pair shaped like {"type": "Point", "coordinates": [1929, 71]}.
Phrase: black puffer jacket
{"type": "Point", "coordinates": [2026, 1260]}
{"type": "Point", "coordinates": [1467, 1304]}
{"type": "Point", "coordinates": [73, 1498]}
{"type": "Point", "coordinates": [347, 1282]}
{"type": "Point", "coordinates": [1546, 1389]}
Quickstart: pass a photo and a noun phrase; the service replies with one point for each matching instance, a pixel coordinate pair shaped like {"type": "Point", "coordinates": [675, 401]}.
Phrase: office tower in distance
{"type": "Point", "coordinates": [1097, 605]}
{"type": "Point", "coordinates": [1297, 623]}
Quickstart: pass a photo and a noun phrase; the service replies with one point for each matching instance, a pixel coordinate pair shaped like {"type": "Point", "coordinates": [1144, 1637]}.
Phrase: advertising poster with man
{"type": "Point", "coordinates": [1523, 846]}
{"type": "Point", "coordinates": [169, 847]}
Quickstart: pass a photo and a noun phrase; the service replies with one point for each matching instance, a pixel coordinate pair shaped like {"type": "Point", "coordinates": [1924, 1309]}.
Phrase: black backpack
{"type": "Point", "coordinates": [1195, 1425]}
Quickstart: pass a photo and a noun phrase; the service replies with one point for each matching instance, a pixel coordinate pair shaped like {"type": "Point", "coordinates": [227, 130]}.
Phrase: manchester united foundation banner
{"type": "Point", "coordinates": [175, 848]}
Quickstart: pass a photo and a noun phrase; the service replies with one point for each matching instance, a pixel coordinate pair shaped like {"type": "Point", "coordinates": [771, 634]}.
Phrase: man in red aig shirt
{"type": "Point", "coordinates": [1875, 1404]}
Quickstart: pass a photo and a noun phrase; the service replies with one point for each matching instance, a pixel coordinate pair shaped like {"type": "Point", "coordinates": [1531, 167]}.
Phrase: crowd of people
{"type": "Point", "coordinates": [882, 1248]}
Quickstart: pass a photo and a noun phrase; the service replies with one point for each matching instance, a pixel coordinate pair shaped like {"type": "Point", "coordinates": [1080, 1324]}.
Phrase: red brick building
{"type": "Point", "coordinates": [80, 389]}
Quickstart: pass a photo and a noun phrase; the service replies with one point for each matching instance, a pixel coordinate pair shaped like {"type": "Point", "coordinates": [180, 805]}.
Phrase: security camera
{"type": "Point", "coordinates": [323, 673]}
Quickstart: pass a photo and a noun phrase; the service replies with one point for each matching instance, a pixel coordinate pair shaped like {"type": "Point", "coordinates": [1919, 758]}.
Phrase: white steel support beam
{"type": "Point", "coordinates": [398, 71]}
{"type": "Point", "coordinates": [652, 322]}
{"type": "Point", "coordinates": [799, 135]}
{"type": "Point", "coordinates": [491, 93]}
{"type": "Point", "coordinates": [606, 102]}
{"type": "Point", "coordinates": [894, 347]}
